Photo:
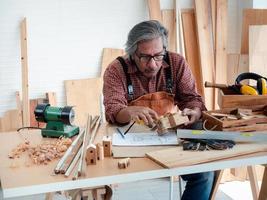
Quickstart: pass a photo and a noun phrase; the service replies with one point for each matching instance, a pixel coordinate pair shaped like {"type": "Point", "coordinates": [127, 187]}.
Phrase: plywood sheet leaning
{"type": "Point", "coordinates": [221, 43]}
{"type": "Point", "coordinates": [154, 10]}
{"type": "Point", "coordinates": [84, 95]}
{"type": "Point", "coordinates": [109, 55]}
{"type": "Point", "coordinates": [206, 46]}
{"type": "Point", "coordinates": [251, 17]}
{"type": "Point", "coordinates": [191, 47]}
{"type": "Point", "coordinates": [24, 70]}
{"type": "Point", "coordinates": [168, 21]}
{"type": "Point", "coordinates": [176, 157]}
{"type": "Point", "coordinates": [258, 49]}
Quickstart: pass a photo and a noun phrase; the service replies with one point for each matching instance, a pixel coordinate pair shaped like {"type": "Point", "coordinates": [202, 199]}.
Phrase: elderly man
{"type": "Point", "coordinates": [150, 81]}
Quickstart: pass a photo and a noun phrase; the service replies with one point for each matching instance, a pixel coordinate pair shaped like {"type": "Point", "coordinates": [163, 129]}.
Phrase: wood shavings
{"type": "Point", "coordinates": [44, 152]}
{"type": "Point", "coordinates": [16, 152]}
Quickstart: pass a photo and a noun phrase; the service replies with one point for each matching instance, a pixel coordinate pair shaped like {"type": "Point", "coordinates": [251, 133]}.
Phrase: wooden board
{"type": "Point", "coordinates": [236, 64]}
{"type": "Point", "coordinates": [24, 73]}
{"type": "Point", "coordinates": [168, 21]}
{"type": "Point", "coordinates": [258, 49]}
{"type": "Point", "coordinates": [191, 47]}
{"type": "Point", "coordinates": [84, 95]}
{"type": "Point", "coordinates": [11, 120]}
{"type": "Point", "coordinates": [176, 157]}
{"type": "Point", "coordinates": [154, 10]}
{"type": "Point", "coordinates": [135, 152]}
{"type": "Point", "coordinates": [251, 17]}
{"type": "Point", "coordinates": [221, 44]}
{"type": "Point", "coordinates": [108, 56]}
{"type": "Point", "coordinates": [206, 46]}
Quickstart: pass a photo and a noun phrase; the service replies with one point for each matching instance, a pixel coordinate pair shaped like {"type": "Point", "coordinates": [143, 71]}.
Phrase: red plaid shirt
{"type": "Point", "coordinates": [115, 88]}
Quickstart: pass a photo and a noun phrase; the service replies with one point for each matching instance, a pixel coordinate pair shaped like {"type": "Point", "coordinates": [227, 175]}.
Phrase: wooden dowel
{"type": "Point", "coordinates": [73, 163]}
{"type": "Point", "coordinates": [63, 159]}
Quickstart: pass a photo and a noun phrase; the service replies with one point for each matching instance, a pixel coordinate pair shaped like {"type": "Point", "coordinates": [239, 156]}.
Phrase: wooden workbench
{"type": "Point", "coordinates": [19, 180]}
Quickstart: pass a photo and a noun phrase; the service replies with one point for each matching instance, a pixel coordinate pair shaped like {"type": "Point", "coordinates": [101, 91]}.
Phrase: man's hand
{"type": "Point", "coordinates": [193, 114]}
{"type": "Point", "coordinates": [137, 113]}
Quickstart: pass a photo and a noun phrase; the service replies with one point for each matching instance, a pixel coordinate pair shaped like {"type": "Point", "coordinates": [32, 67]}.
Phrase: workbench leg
{"type": "Point", "coordinates": [253, 182]}
{"type": "Point", "coordinates": [171, 188]}
{"type": "Point", "coordinates": [263, 191]}
{"type": "Point", "coordinates": [216, 183]}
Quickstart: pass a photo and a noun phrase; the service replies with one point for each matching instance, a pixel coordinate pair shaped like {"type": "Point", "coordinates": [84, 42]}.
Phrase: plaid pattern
{"type": "Point", "coordinates": [115, 88]}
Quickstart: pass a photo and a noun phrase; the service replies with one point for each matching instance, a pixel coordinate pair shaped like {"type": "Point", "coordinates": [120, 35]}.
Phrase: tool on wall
{"type": "Point", "coordinates": [59, 120]}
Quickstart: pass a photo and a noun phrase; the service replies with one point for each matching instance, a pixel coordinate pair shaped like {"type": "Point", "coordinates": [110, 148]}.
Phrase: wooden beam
{"type": "Point", "coordinates": [24, 70]}
{"type": "Point", "coordinates": [154, 10]}
{"type": "Point", "coordinates": [206, 46]}
{"type": "Point", "coordinates": [192, 53]}
{"type": "Point", "coordinates": [168, 21]}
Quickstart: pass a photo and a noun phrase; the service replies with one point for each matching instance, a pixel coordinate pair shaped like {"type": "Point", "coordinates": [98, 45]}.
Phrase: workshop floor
{"type": "Point", "coordinates": [158, 190]}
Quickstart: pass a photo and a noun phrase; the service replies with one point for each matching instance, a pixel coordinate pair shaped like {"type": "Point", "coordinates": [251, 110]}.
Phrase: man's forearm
{"type": "Point", "coordinates": [123, 116]}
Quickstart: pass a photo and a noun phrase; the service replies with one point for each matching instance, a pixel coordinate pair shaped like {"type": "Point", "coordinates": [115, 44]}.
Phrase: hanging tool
{"type": "Point", "coordinates": [59, 120]}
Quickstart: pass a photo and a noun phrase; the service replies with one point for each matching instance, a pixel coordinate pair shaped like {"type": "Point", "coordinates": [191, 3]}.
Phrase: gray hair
{"type": "Point", "coordinates": [144, 31]}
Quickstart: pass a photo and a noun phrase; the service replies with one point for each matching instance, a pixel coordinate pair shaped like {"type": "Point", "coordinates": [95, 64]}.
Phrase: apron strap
{"type": "Point", "coordinates": [128, 80]}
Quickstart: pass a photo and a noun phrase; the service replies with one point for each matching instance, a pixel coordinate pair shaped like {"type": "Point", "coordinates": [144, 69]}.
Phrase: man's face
{"type": "Point", "coordinates": [149, 56]}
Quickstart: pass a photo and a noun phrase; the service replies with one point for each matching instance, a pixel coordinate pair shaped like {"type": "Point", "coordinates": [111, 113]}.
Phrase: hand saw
{"type": "Point", "coordinates": [259, 136]}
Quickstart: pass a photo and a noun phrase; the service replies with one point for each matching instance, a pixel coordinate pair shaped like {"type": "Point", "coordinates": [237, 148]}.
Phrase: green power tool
{"type": "Point", "coordinates": [59, 120]}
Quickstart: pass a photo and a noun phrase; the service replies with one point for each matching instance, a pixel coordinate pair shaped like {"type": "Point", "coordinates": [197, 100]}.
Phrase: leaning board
{"type": "Point", "coordinates": [176, 157]}
{"type": "Point", "coordinates": [84, 95]}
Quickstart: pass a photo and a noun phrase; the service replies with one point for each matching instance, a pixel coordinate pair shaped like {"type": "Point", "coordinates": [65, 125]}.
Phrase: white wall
{"type": "Point", "coordinates": [66, 38]}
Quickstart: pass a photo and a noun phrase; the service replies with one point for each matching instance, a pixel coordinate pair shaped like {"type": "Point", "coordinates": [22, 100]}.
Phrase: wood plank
{"type": "Point", "coordinates": [154, 10]}
{"type": "Point", "coordinates": [251, 17]}
{"type": "Point", "coordinates": [52, 98]}
{"type": "Point", "coordinates": [24, 70]}
{"type": "Point", "coordinates": [19, 106]}
{"type": "Point", "coordinates": [192, 53]}
{"type": "Point", "coordinates": [203, 18]}
{"type": "Point", "coordinates": [109, 55]}
{"type": "Point", "coordinates": [179, 29]}
{"type": "Point", "coordinates": [168, 21]}
{"type": "Point", "coordinates": [221, 43]}
{"type": "Point", "coordinates": [258, 49]}
{"type": "Point", "coordinates": [10, 121]}
{"type": "Point", "coordinates": [213, 18]}
{"type": "Point", "coordinates": [236, 64]}
{"type": "Point", "coordinates": [84, 95]}
{"type": "Point", "coordinates": [176, 157]}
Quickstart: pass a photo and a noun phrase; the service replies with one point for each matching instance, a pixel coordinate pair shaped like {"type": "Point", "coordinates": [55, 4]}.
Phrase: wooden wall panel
{"type": "Point", "coordinates": [168, 21]}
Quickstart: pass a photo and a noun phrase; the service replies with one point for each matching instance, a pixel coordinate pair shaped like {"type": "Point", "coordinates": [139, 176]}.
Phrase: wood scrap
{"type": "Point", "coordinates": [100, 151]}
{"type": "Point", "coordinates": [124, 163]}
{"type": "Point", "coordinates": [107, 146]}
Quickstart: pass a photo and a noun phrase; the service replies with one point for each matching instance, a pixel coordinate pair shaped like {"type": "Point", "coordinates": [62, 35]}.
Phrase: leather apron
{"type": "Point", "coordinates": [161, 102]}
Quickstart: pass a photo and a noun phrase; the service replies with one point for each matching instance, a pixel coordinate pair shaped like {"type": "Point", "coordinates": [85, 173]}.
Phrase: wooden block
{"type": "Point", "coordinates": [100, 151]}
{"type": "Point", "coordinates": [91, 155]}
{"type": "Point", "coordinates": [107, 146]}
{"type": "Point", "coordinates": [177, 119]}
{"type": "Point", "coordinates": [124, 163]}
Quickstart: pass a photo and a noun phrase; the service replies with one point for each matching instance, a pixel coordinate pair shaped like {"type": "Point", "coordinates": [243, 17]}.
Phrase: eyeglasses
{"type": "Point", "coordinates": [147, 58]}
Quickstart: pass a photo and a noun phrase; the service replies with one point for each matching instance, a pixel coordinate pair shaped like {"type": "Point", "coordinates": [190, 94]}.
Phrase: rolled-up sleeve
{"type": "Point", "coordinates": [114, 91]}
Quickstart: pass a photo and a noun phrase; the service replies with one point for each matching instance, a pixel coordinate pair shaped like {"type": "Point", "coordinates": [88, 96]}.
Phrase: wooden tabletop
{"type": "Point", "coordinates": [17, 179]}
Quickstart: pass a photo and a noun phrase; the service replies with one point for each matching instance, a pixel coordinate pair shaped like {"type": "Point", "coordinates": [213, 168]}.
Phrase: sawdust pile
{"type": "Point", "coordinates": [44, 152]}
